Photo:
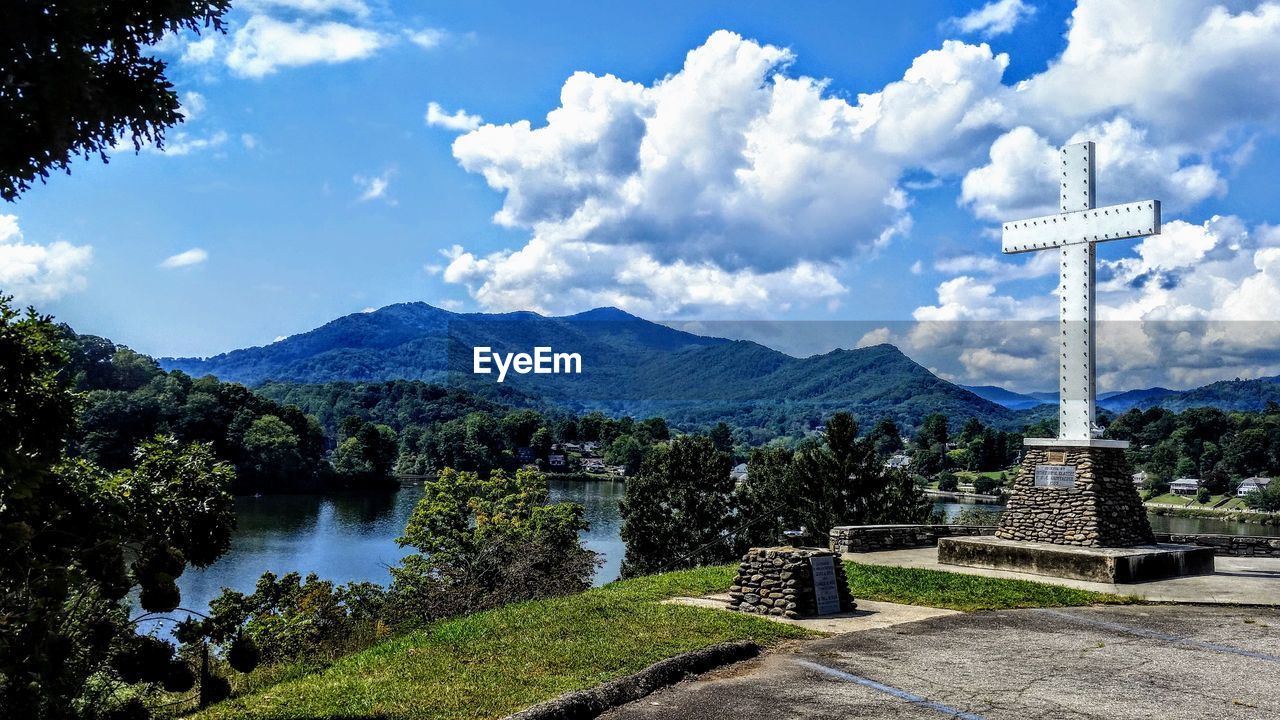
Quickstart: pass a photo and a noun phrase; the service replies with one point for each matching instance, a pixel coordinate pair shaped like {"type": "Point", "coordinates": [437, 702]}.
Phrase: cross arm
{"type": "Point", "coordinates": [1114, 222]}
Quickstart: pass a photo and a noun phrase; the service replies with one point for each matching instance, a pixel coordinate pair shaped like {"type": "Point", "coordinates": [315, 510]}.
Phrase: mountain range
{"type": "Point", "coordinates": [629, 364]}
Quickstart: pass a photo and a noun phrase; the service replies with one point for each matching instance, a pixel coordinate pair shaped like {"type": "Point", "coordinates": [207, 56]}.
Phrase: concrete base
{"type": "Point", "coordinates": [1105, 565]}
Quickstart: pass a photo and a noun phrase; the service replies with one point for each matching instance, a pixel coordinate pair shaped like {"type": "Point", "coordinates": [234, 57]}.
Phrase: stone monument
{"type": "Point", "coordinates": [1073, 510]}
{"type": "Point", "coordinates": [791, 582]}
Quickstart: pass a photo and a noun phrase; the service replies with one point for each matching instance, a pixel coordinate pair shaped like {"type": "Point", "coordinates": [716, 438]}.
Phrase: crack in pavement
{"type": "Point", "coordinates": [1165, 637]}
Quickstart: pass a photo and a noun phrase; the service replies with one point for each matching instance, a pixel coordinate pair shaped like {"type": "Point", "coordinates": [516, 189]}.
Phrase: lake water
{"type": "Point", "coordinates": [353, 538]}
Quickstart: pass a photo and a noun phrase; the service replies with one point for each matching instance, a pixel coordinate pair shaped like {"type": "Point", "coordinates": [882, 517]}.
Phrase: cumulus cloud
{"type": "Point", "coordinates": [721, 185]}
{"type": "Point", "coordinates": [264, 44]}
{"type": "Point", "coordinates": [186, 258]}
{"type": "Point", "coordinates": [34, 273]}
{"type": "Point", "coordinates": [1020, 179]}
{"type": "Point", "coordinates": [995, 18]}
{"type": "Point", "coordinates": [458, 121]}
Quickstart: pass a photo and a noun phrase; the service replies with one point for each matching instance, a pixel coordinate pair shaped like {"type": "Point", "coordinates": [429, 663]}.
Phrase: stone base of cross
{"type": "Point", "coordinates": [1075, 231]}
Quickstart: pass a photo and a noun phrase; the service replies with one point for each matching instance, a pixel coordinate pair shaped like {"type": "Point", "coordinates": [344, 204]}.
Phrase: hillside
{"type": "Point", "coordinates": [628, 365]}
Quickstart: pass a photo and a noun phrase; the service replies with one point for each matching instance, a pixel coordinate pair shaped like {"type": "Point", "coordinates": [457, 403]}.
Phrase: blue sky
{"type": "Point", "coordinates": [832, 161]}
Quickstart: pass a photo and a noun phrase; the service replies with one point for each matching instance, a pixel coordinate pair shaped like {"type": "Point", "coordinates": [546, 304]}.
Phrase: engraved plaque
{"type": "Point", "coordinates": [824, 584]}
{"type": "Point", "coordinates": [1057, 457]}
{"type": "Point", "coordinates": [1056, 476]}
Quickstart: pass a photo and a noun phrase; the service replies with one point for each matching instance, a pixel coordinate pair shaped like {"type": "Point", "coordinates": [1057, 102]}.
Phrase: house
{"type": "Point", "coordinates": [739, 472]}
{"type": "Point", "coordinates": [898, 461]}
{"type": "Point", "coordinates": [1252, 484]}
{"type": "Point", "coordinates": [557, 459]}
{"type": "Point", "coordinates": [1140, 479]}
{"type": "Point", "coordinates": [525, 455]}
{"type": "Point", "coordinates": [618, 470]}
{"type": "Point", "coordinates": [1184, 486]}
{"type": "Point", "coordinates": [593, 464]}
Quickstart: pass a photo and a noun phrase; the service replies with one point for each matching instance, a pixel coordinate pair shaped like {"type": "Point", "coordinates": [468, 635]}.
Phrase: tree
{"type": "Point", "coordinates": [78, 539]}
{"type": "Point", "coordinates": [761, 499]}
{"type": "Point", "coordinates": [886, 438]}
{"type": "Point", "coordinates": [722, 437]}
{"type": "Point", "coordinates": [933, 432]}
{"type": "Point", "coordinates": [76, 76]}
{"type": "Point", "coordinates": [483, 542]}
{"type": "Point", "coordinates": [625, 451]}
{"type": "Point", "coordinates": [677, 511]}
{"type": "Point", "coordinates": [364, 459]}
{"type": "Point", "coordinates": [1267, 498]}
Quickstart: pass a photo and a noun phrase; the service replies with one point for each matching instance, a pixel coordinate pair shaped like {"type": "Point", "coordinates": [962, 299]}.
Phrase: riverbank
{"type": "Point", "coordinates": [497, 662]}
{"type": "Point", "coordinates": [1225, 514]}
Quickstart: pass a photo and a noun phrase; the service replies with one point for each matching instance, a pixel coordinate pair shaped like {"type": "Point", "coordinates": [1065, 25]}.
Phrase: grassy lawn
{"type": "Point", "coordinates": [1171, 499]}
{"type": "Point", "coordinates": [956, 591]}
{"type": "Point", "coordinates": [493, 663]}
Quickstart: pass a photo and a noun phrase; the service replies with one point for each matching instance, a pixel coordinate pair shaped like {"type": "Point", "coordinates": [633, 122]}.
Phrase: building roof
{"type": "Point", "coordinates": [1186, 481]}
{"type": "Point", "coordinates": [1258, 481]}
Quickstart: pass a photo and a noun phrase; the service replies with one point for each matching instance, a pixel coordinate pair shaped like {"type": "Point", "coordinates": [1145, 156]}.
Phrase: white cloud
{"type": "Point", "coordinates": [312, 7]}
{"type": "Point", "coordinates": [183, 143]}
{"type": "Point", "coordinates": [186, 258]}
{"type": "Point", "coordinates": [459, 120]}
{"type": "Point", "coordinates": [374, 187]}
{"type": "Point", "coordinates": [264, 44]}
{"type": "Point", "coordinates": [193, 105]}
{"type": "Point", "coordinates": [204, 50]}
{"type": "Point", "coordinates": [33, 273]}
{"type": "Point", "coordinates": [995, 18]}
{"type": "Point", "coordinates": [1020, 180]}
{"type": "Point", "coordinates": [249, 141]}
{"type": "Point", "coordinates": [711, 188]}
{"type": "Point", "coordinates": [427, 38]}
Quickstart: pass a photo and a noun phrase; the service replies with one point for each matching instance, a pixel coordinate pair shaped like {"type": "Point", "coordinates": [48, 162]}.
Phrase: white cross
{"type": "Point", "coordinates": [1075, 231]}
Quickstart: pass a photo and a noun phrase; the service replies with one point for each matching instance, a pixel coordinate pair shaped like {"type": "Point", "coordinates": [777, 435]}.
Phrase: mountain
{"type": "Point", "coordinates": [628, 365]}
{"type": "Point", "coordinates": [1122, 401]}
{"type": "Point", "coordinates": [1010, 399]}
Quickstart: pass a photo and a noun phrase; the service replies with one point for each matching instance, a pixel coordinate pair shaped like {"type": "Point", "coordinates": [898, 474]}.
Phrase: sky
{"type": "Point", "coordinates": [743, 166]}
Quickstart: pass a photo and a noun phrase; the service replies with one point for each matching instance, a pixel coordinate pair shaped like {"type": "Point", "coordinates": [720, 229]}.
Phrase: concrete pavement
{"type": "Point", "coordinates": [1237, 580]}
{"type": "Point", "coordinates": [1114, 662]}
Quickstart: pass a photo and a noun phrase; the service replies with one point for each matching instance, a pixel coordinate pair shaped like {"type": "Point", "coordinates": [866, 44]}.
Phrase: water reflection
{"type": "Point", "coordinates": [353, 538]}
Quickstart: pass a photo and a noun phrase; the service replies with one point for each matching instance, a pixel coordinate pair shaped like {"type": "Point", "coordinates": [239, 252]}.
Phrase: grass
{"type": "Point", "coordinates": [493, 663]}
{"type": "Point", "coordinates": [956, 591]}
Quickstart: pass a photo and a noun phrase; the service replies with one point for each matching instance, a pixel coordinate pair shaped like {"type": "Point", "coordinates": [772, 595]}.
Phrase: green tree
{"type": "Point", "coordinates": [365, 458]}
{"type": "Point", "coordinates": [77, 75]}
{"type": "Point", "coordinates": [762, 499]}
{"type": "Point", "coordinates": [886, 438]}
{"type": "Point", "coordinates": [933, 432]}
{"type": "Point", "coordinates": [78, 539]}
{"type": "Point", "coordinates": [677, 511]}
{"type": "Point", "coordinates": [483, 542]}
{"type": "Point", "coordinates": [1266, 499]}
{"type": "Point", "coordinates": [625, 451]}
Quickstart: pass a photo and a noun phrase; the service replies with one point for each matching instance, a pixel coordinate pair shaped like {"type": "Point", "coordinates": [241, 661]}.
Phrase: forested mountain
{"type": "Point", "coordinates": [629, 365]}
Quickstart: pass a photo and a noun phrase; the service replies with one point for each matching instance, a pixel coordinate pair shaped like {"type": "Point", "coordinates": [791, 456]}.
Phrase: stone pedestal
{"type": "Point", "coordinates": [780, 581]}
{"type": "Point", "coordinates": [1074, 513]}
{"type": "Point", "coordinates": [1080, 495]}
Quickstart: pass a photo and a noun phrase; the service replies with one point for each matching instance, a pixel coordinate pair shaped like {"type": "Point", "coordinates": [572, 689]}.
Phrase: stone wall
{"type": "Point", "coordinates": [1103, 509]}
{"type": "Point", "coordinates": [869, 538]}
{"type": "Point", "coordinates": [1228, 545]}
{"type": "Point", "coordinates": [779, 581]}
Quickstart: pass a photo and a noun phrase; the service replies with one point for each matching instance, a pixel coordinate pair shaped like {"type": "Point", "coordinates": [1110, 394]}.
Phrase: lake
{"type": "Point", "coordinates": [353, 538]}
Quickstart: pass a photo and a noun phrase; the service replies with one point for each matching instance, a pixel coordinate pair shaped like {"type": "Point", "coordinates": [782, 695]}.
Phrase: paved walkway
{"type": "Point", "coordinates": [1238, 580]}
{"type": "Point", "coordinates": [1113, 662]}
{"type": "Point", "coordinates": [870, 614]}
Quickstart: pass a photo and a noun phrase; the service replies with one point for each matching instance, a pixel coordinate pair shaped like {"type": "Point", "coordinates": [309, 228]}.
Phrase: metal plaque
{"type": "Point", "coordinates": [1056, 476]}
{"type": "Point", "coordinates": [1057, 457]}
{"type": "Point", "coordinates": [825, 591]}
